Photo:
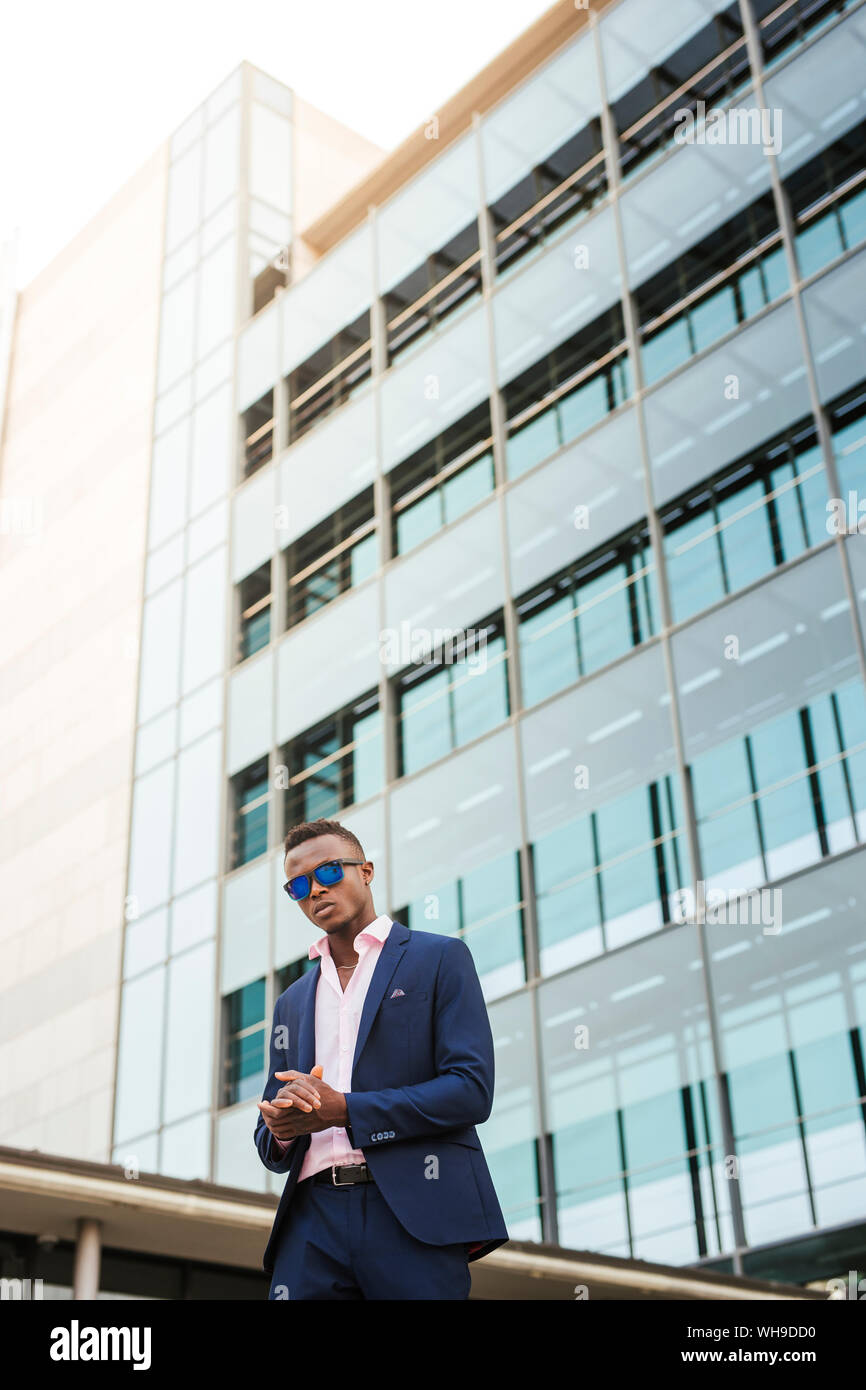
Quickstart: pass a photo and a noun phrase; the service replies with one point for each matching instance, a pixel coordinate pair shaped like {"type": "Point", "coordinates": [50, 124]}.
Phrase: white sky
{"type": "Point", "coordinates": [90, 88]}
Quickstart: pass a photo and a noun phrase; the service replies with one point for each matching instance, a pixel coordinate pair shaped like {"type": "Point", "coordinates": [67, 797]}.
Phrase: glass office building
{"type": "Point", "coordinates": [586, 392]}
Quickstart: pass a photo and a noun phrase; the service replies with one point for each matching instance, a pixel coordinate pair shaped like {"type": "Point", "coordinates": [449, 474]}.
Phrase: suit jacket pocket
{"type": "Point", "coordinates": [403, 1001]}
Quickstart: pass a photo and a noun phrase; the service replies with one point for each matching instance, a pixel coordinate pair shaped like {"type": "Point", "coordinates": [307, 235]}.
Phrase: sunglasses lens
{"type": "Point", "coordinates": [299, 887]}
{"type": "Point", "coordinates": [329, 873]}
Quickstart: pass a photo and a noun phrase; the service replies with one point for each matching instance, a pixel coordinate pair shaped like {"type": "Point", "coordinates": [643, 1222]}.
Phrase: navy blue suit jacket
{"type": "Point", "coordinates": [422, 1079]}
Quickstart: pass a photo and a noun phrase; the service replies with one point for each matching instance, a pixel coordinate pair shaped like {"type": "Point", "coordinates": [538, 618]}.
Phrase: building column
{"type": "Point", "coordinates": [88, 1250]}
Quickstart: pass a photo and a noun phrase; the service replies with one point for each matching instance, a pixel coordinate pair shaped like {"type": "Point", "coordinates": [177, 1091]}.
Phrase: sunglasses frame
{"type": "Point", "coordinates": [314, 874]}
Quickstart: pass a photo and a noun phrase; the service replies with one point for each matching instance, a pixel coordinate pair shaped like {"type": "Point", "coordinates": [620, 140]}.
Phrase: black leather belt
{"type": "Point", "coordinates": [344, 1174]}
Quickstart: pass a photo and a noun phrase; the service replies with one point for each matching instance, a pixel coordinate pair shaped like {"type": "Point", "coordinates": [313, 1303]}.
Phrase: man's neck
{"type": "Point", "coordinates": [342, 941]}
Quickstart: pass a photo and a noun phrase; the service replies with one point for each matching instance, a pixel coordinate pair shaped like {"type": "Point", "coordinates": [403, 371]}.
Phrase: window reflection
{"type": "Point", "coordinates": [255, 612]}
{"type": "Point", "coordinates": [330, 376]}
{"type": "Point", "coordinates": [718, 283]}
{"type": "Point", "coordinates": [788, 793]}
{"type": "Point", "coordinates": [828, 201]}
{"type": "Point", "coordinates": [711, 66]}
{"type": "Point", "coordinates": [258, 432]}
{"type": "Point", "coordinates": [750, 517]}
{"type": "Point", "coordinates": [244, 1050]}
{"type": "Point", "coordinates": [587, 616]}
{"type": "Point", "coordinates": [543, 159]}
{"type": "Point", "coordinates": [632, 1105]}
{"type": "Point", "coordinates": [568, 183]}
{"type": "Point", "coordinates": [485, 908]}
{"type": "Point", "coordinates": [443, 281]}
{"type": "Point", "coordinates": [793, 1056]}
{"type": "Point", "coordinates": [454, 698]}
{"type": "Point", "coordinates": [250, 823]}
{"type": "Point", "coordinates": [566, 392]}
{"type": "Point", "coordinates": [442, 480]}
{"type": "Point", "coordinates": [335, 764]}
{"type": "Point", "coordinates": [337, 554]}
{"type": "Point", "coordinates": [609, 876]}
{"type": "Point", "coordinates": [786, 26]}
{"type": "Point", "coordinates": [847, 416]}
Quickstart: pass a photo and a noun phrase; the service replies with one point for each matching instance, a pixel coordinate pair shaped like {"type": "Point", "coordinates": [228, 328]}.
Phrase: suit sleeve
{"type": "Point", "coordinates": [462, 1091]}
{"type": "Point", "coordinates": [273, 1155]}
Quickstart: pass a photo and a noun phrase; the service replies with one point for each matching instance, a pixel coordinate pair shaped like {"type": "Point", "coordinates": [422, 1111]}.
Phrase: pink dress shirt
{"type": "Point", "coordinates": [338, 1018]}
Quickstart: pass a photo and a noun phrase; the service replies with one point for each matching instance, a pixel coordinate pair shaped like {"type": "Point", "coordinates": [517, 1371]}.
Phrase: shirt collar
{"type": "Point", "coordinates": [377, 930]}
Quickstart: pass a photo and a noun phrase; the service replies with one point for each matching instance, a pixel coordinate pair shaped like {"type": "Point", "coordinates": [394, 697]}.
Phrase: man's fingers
{"type": "Point", "coordinates": [294, 1076]}
{"type": "Point", "coordinates": [303, 1099]}
{"type": "Point", "coordinates": [299, 1085]}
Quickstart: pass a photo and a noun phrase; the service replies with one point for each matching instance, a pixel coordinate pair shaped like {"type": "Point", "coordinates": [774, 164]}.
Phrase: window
{"type": "Point", "coordinates": [711, 67]}
{"type": "Point", "coordinates": [288, 974]}
{"type": "Point", "coordinates": [828, 201]}
{"type": "Point", "coordinates": [425, 298]}
{"type": "Point", "coordinates": [783, 27]}
{"type": "Point", "coordinates": [335, 764]}
{"type": "Point", "coordinates": [790, 792]}
{"type": "Point", "coordinates": [609, 876]}
{"type": "Point", "coordinates": [566, 392]}
{"type": "Point", "coordinates": [752, 516]}
{"type": "Point", "coordinates": [847, 416]}
{"type": "Point", "coordinates": [566, 184]}
{"type": "Point", "coordinates": [718, 283]}
{"type": "Point", "coordinates": [244, 1049]}
{"type": "Point", "coordinates": [485, 908]}
{"type": "Point", "coordinates": [258, 431]}
{"type": "Point", "coordinates": [454, 698]}
{"type": "Point", "coordinates": [336, 555]}
{"type": "Point", "coordinates": [587, 615]}
{"type": "Point", "coordinates": [255, 612]}
{"type": "Point", "coordinates": [442, 481]}
{"type": "Point", "coordinates": [332, 375]}
{"type": "Point", "coordinates": [250, 819]}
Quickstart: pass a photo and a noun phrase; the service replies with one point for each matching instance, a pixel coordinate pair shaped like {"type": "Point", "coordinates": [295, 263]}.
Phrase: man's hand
{"type": "Point", "coordinates": [304, 1105]}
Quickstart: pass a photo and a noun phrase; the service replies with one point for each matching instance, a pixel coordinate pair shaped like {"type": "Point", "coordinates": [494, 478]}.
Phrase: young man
{"type": "Point", "coordinates": [385, 1056]}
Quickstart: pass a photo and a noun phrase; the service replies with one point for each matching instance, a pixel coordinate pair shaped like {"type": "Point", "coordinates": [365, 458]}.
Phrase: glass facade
{"type": "Point", "coordinates": [522, 562]}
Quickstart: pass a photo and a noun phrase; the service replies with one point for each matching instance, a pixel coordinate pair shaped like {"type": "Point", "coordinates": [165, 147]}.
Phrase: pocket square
{"type": "Point", "coordinates": [396, 994]}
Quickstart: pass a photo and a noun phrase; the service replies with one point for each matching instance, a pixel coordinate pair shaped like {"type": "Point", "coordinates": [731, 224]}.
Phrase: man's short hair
{"type": "Point", "coordinates": [311, 830]}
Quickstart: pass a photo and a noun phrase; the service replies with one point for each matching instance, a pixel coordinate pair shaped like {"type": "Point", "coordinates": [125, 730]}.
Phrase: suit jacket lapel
{"type": "Point", "coordinates": [307, 1029]}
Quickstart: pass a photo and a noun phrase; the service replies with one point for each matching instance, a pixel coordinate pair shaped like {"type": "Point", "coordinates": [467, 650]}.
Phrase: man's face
{"type": "Point", "coordinates": [348, 898]}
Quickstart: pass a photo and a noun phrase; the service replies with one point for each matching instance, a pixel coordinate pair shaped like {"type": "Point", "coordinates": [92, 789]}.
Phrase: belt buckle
{"type": "Point", "coordinates": [334, 1167]}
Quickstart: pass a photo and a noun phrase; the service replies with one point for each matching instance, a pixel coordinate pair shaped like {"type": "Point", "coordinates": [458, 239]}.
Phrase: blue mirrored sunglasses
{"type": "Point", "coordinates": [327, 874]}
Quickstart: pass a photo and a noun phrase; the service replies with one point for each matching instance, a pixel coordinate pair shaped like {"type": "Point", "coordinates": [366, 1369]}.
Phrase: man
{"type": "Point", "coordinates": [385, 1053]}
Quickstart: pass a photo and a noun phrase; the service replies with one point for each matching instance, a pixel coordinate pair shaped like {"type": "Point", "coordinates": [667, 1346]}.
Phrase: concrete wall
{"type": "Point", "coordinates": [77, 445]}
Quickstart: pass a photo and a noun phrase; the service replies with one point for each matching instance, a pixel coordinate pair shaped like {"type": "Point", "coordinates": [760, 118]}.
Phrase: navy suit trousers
{"type": "Point", "coordinates": [345, 1242]}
